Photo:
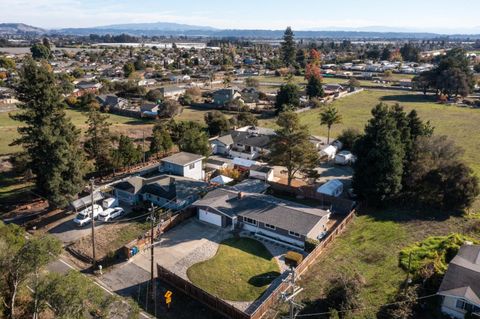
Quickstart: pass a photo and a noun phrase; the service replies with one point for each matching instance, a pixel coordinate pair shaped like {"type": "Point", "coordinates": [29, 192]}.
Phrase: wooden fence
{"type": "Point", "coordinates": [229, 311]}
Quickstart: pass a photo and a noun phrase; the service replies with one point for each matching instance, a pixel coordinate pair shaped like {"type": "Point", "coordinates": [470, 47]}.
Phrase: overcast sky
{"type": "Point", "coordinates": [418, 15]}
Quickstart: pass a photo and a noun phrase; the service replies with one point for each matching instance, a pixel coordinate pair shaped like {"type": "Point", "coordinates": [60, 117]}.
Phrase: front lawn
{"type": "Point", "coordinates": [241, 270]}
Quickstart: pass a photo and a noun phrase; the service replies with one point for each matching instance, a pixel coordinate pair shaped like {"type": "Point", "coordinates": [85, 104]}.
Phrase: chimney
{"type": "Point", "coordinates": [240, 195]}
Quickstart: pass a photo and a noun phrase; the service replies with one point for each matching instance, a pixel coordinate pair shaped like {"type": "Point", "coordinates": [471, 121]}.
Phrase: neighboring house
{"type": "Point", "coordinates": [171, 192]}
{"type": "Point", "coordinates": [215, 164]}
{"type": "Point", "coordinates": [248, 142]}
{"type": "Point", "coordinates": [149, 109]}
{"type": "Point", "coordinates": [147, 82]}
{"type": "Point", "coordinates": [112, 101]}
{"type": "Point", "coordinates": [183, 164]}
{"type": "Point", "coordinates": [89, 86]}
{"type": "Point", "coordinates": [264, 173]}
{"type": "Point", "coordinates": [224, 96]}
{"type": "Point", "coordinates": [460, 288]}
{"type": "Point", "coordinates": [265, 216]}
{"type": "Point", "coordinates": [172, 92]}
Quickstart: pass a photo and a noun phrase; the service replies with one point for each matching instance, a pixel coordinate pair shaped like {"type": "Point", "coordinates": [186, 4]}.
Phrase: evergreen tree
{"type": "Point", "coordinates": [40, 51]}
{"type": "Point", "coordinates": [161, 141]}
{"type": "Point", "coordinates": [287, 96]}
{"type": "Point", "coordinates": [126, 153]}
{"type": "Point", "coordinates": [48, 136]}
{"type": "Point", "coordinates": [291, 146]}
{"type": "Point", "coordinates": [98, 143]}
{"type": "Point", "coordinates": [288, 48]}
{"type": "Point", "coordinates": [314, 87]}
{"type": "Point", "coordinates": [195, 140]}
{"type": "Point", "coordinates": [380, 152]}
{"type": "Point", "coordinates": [217, 123]}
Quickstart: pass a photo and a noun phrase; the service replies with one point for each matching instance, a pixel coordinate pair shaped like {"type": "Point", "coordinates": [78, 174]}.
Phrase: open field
{"type": "Point", "coordinates": [241, 270]}
{"type": "Point", "coordinates": [460, 124]}
{"type": "Point", "coordinates": [120, 124]}
{"type": "Point", "coordinates": [371, 247]}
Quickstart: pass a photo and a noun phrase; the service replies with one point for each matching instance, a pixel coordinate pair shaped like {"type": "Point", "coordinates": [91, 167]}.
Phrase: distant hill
{"type": "Point", "coordinates": [19, 28]}
{"type": "Point", "coordinates": [176, 29]}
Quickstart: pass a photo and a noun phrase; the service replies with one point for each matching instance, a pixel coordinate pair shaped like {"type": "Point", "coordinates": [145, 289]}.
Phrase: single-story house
{"type": "Point", "coordinates": [171, 192]}
{"type": "Point", "coordinates": [262, 172]}
{"type": "Point", "coordinates": [173, 92]}
{"type": "Point", "coordinates": [183, 164]}
{"type": "Point", "coordinates": [460, 288]}
{"type": "Point", "coordinates": [265, 216]}
{"type": "Point", "coordinates": [221, 145]}
{"type": "Point", "coordinates": [112, 101]}
{"type": "Point", "coordinates": [215, 164]}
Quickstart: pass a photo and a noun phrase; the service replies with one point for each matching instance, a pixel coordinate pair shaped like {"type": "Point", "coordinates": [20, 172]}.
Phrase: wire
{"type": "Point", "coordinates": [364, 308]}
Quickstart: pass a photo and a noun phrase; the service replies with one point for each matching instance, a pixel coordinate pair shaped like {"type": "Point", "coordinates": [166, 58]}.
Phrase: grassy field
{"type": "Point", "coordinates": [241, 270]}
{"type": "Point", "coordinates": [371, 247]}
{"type": "Point", "coordinates": [460, 124]}
{"type": "Point", "coordinates": [120, 124]}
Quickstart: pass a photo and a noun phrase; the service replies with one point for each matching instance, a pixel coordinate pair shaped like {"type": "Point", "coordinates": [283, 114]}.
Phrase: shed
{"type": "Point", "coordinates": [221, 180]}
{"type": "Point", "coordinates": [83, 202]}
{"type": "Point", "coordinates": [328, 152]}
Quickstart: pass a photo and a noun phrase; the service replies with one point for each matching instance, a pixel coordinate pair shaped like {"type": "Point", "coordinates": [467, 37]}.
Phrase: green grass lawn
{"type": "Point", "coordinates": [8, 127]}
{"type": "Point", "coordinates": [460, 124]}
{"type": "Point", "coordinates": [241, 270]}
{"type": "Point", "coordinates": [371, 246]}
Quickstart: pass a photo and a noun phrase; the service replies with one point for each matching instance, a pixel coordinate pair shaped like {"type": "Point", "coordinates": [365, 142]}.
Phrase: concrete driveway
{"type": "Point", "coordinates": [185, 245]}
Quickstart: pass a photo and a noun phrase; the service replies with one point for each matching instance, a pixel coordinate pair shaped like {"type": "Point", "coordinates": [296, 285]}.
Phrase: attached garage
{"type": "Point", "coordinates": [209, 217]}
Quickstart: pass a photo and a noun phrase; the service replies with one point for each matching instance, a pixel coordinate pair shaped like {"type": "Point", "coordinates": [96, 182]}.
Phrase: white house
{"type": "Point", "coordinates": [460, 288]}
{"type": "Point", "coordinates": [183, 164]}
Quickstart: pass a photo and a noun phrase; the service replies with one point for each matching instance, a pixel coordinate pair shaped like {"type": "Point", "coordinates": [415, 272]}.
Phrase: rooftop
{"type": "Point", "coordinates": [183, 158]}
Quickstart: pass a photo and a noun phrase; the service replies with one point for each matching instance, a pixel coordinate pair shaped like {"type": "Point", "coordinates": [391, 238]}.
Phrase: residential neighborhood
{"type": "Point", "coordinates": [244, 162]}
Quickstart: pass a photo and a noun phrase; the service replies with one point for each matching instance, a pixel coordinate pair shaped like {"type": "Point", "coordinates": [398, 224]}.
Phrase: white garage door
{"type": "Point", "coordinates": [210, 217]}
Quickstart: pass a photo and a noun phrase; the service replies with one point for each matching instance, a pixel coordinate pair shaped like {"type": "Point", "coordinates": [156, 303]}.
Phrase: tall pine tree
{"type": "Point", "coordinates": [98, 143]}
{"type": "Point", "coordinates": [48, 137]}
{"type": "Point", "coordinates": [379, 168]}
{"type": "Point", "coordinates": [288, 48]}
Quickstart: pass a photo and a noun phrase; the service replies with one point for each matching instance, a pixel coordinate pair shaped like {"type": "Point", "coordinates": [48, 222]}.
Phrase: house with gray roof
{"type": "Point", "coordinates": [167, 191]}
{"type": "Point", "coordinates": [183, 164]}
{"type": "Point", "coordinates": [460, 288]}
{"type": "Point", "coordinates": [264, 216]}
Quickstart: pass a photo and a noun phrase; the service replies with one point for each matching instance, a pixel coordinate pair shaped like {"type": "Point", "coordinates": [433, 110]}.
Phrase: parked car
{"type": "Point", "coordinates": [344, 158]}
{"type": "Point", "coordinates": [84, 217]}
{"type": "Point", "coordinates": [111, 213]}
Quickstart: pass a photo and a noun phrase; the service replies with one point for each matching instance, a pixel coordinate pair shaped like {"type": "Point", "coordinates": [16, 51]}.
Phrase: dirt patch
{"type": "Point", "coordinates": [109, 239]}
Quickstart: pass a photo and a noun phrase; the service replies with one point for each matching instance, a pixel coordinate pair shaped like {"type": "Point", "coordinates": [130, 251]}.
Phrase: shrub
{"type": "Point", "coordinates": [311, 244]}
{"type": "Point", "coordinates": [436, 250]}
{"type": "Point", "coordinates": [293, 258]}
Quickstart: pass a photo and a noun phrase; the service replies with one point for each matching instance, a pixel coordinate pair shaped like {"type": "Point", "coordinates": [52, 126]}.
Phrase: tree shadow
{"type": "Point", "coordinates": [408, 98]}
{"type": "Point", "coordinates": [263, 279]}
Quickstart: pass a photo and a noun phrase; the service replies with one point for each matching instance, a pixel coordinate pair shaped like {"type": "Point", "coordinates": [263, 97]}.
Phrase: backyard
{"type": "Point", "coordinates": [241, 270]}
{"type": "Point", "coordinates": [371, 246]}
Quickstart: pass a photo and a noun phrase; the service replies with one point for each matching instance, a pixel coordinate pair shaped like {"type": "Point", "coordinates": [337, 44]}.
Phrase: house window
{"type": "Point", "coordinates": [250, 221]}
{"type": "Point", "coordinates": [191, 166]}
{"type": "Point", "coordinates": [462, 304]}
{"type": "Point", "coordinates": [294, 234]}
{"type": "Point", "coordinates": [270, 226]}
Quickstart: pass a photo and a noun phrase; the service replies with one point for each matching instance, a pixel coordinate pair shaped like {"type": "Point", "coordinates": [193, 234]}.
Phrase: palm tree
{"type": "Point", "coordinates": [329, 117]}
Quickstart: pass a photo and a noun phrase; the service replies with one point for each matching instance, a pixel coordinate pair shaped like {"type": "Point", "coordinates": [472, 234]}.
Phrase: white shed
{"type": "Point", "coordinates": [333, 187]}
{"type": "Point", "coordinates": [221, 180]}
{"type": "Point", "coordinates": [328, 152]}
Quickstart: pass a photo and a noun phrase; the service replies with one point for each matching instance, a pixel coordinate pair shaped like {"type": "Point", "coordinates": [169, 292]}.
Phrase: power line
{"type": "Point", "coordinates": [364, 308]}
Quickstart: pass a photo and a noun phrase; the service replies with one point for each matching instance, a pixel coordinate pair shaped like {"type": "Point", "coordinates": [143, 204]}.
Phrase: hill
{"type": "Point", "coordinates": [19, 28]}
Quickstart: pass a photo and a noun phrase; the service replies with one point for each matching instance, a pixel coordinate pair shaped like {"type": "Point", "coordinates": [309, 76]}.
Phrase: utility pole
{"type": "Point", "coordinates": [290, 297]}
{"type": "Point", "coordinates": [152, 279]}
{"type": "Point", "coordinates": [92, 221]}
{"type": "Point", "coordinates": [143, 146]}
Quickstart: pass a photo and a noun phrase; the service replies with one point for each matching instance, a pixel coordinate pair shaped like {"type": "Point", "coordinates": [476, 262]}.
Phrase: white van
{"type": "Point", "coordinates": [344, 158]}
{"type": "Point", "coordinates": [84, 217]}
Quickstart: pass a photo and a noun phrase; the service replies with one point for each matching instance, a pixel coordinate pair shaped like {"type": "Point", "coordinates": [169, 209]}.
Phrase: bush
{"type": "Point", "coordinates": [293, 258]}
{"type": "Point", "coordinates": [437, 251]}
{"type": "Point", "coordinates": [311, 244]}
{"type": "Point", "coordinates": [348, 137]}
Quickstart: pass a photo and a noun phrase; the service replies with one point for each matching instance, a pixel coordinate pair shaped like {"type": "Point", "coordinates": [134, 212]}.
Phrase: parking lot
{"type": "Point", "coordinates": [187, 244]}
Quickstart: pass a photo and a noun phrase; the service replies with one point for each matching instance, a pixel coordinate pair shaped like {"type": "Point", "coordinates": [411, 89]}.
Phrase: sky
{"type": "Point", "coordinates": [445, 16]}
